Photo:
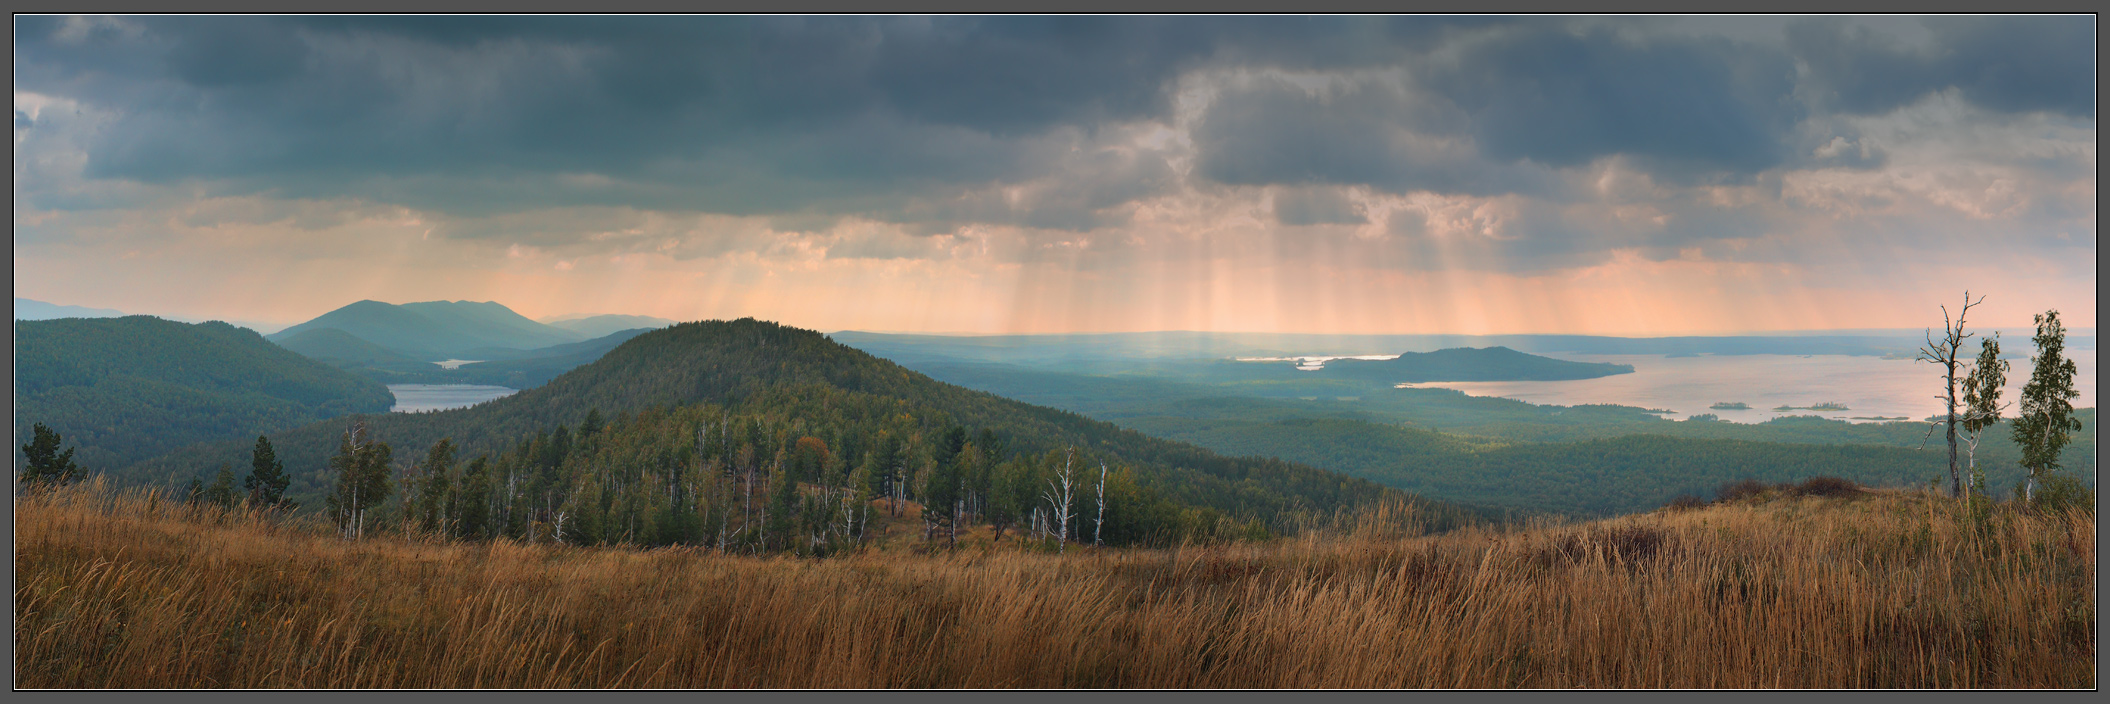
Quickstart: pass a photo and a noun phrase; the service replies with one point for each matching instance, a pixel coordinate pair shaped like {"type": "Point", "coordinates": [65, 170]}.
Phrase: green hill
{"type": "Point", "coordinates": [435, 330]}
{"type": "Point", "coordinates": [800, 383]}
{"type": "Point", "coordinates": [344, 351]}
{"type": "Point", "coordinates": [126, 389]}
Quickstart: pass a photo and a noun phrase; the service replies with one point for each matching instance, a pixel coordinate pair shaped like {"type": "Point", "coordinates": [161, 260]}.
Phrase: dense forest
{"type": "Point", "coordinates": [126, 389]}
{"type": "Point", "coordinates": [784, 385]}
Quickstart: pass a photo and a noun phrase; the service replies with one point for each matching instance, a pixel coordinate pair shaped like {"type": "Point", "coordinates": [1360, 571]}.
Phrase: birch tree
{"type": "Point", "coordinates": [2046, 417]}
{"type": "Point", "coordinates": [1981, 393]}
{"type": "Point", "coordinates": [362, 479]}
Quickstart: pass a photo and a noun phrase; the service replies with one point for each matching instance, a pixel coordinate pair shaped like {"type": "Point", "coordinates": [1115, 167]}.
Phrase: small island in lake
{"type": "Point", "coordinates": [1826, 406]}
{"type": "Point", "coordinates": [1731, 406]}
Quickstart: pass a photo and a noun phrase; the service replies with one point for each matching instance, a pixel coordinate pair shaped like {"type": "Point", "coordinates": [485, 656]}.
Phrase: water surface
{"type": "Point", "coordinates": [1870, 387]}
{"type": "Point", "coordinates": [412, 398]}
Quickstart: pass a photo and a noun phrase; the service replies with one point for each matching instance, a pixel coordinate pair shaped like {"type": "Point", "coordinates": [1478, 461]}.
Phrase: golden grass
{"type": "Point", "coordinates": [1891, 590]}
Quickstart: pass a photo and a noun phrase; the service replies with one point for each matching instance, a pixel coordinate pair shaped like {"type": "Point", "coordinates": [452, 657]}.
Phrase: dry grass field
{"type": "Point", "coordinates": [123, 589]}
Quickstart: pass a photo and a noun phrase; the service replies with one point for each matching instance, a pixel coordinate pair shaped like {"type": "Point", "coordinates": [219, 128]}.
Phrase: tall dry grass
{"type": "Point", "coordinates": [1894, 590]}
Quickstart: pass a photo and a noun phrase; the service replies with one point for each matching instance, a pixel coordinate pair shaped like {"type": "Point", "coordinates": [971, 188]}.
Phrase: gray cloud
{"type": "Point", "coordinates": [1316, 206]}
{"type": "Point", "coordinates": [2006, 64]}
{"type": "Point", "coordinates": [1688, 108]}
{"type": "Point", "coordinates": [939, 123]}
{"type": "Point", "coordinates": [1274, 132]}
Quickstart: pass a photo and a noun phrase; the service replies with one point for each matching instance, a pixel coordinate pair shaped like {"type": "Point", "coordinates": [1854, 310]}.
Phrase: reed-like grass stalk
{"type": "Point", "coordinates": [128, 589]}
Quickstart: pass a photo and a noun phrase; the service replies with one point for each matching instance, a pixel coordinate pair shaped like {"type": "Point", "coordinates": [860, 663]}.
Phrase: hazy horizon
{"type": "Point", "coordinates": [2009, 331]}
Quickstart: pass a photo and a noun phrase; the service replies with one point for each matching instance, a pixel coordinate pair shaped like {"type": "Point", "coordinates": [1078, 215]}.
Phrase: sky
{"type": "Point", "coordinates": [1628, 175]}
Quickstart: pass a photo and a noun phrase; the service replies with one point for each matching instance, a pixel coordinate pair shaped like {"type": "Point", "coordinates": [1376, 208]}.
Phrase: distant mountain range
{"type": "Point", "coordinates": [27, 309]}
{"type": "Point", "coordinates": [399, 344]}
{"type": "Point", "coordinates": [436, 330]}
{"type": "Point", "coordinates": [599, 325]}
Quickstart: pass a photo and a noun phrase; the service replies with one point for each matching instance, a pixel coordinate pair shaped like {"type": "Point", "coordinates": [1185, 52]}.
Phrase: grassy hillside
{"type": "Point", "coordinates": [126, 389]}
{"type": "Point", "coordinates": [794, 382]}
{"type": "Point", "coordinates": [1887, 590]}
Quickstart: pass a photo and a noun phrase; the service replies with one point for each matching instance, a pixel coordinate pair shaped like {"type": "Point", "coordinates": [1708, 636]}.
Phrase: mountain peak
{"type": "Point", "coordinates": [436, 330]}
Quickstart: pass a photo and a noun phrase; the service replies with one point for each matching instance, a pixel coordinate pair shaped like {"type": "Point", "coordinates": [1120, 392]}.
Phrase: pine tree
{"type": "Point", "coordinates": [777, 517]}
{"type": "Point", "coordinates": [47, 465]}
{"type": "Point", "coordinates": [267, 478]}
{"type": "Point", "coordinates": [2042, 430]}
{"type": "Point", "coordinates": [221, 492]}
{"type": "Point", "coordinates": [435, 488]}
{"type": "Point", "coordinates": [473, 501]}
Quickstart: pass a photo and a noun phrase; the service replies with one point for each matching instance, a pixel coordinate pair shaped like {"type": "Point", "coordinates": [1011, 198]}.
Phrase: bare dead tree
{"type": "Point", "coordinates": [1943, 352]}
{"type": "Point", "coordinates": [1058, 497]}
{"type": "Point", "coordinates": [849, 509]}
{"type": "Point", "coordinates": [1099, 525]}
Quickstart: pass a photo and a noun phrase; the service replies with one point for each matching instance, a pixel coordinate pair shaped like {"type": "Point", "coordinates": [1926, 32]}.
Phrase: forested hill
{"type": "Point", "coordinates": [126, 389]}
{"type": "Point", "coordinates": [800, 378]}
{"type": "Point", "coordinates": [1470, 364]}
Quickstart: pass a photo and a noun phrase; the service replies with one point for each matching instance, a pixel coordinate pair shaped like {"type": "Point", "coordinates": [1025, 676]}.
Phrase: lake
{"type": "Point", "coordinates": [1868, 386]}
{"type": "Point", "coordinates": [413, 398]}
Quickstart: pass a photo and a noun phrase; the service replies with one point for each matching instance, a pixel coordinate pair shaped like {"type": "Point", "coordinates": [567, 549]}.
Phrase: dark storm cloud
{"type": "Point", "coordinates": [1512, 105]}
{"type": "Point", "coordinates": [863, 103]}
{"type": "Point", "coordinates": [770, 114]}
{"type": "Point", "coordinates": [1687, 107]}
{"type": "Point", "coordinates": [1274, 132]}
{"type": "Point", "coordinates": [2006, 64]}
{"type": "Point", "coordinates": [936, 122]}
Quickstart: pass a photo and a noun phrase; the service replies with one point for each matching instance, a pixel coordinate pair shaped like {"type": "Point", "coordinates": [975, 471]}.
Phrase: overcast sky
{"type": "Point", "coordinates": [1602, 175]}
